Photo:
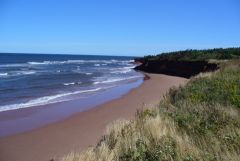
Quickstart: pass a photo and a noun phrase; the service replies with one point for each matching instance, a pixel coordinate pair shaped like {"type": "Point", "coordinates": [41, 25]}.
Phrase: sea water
{"type": "Point", "coordinates": [28, 80]}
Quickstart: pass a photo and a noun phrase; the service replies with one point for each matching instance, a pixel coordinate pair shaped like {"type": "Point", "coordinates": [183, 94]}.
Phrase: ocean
{"type": "Point", "coordinates": [28, 80]}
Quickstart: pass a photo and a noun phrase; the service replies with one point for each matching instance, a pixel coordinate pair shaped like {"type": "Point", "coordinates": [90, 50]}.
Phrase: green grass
{"type": "Point", "coordinates": [199, 121]}
{"type": "Point", "coordinates": [221, 87]}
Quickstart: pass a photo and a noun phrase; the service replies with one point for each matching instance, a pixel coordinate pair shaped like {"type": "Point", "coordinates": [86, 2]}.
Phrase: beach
{"type": "Point", "coordinates": [84, 129]}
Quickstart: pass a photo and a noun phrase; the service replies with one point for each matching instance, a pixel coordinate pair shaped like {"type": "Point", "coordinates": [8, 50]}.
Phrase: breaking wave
{"type": "Point", "coordinates": [44, 100]}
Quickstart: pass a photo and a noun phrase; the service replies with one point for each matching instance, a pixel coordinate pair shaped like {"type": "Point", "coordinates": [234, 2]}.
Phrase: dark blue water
{"type": "Point", "coordinates": [28, 80]}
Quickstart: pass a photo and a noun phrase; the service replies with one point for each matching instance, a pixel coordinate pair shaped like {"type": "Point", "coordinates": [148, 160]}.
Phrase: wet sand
{"type": "Point", "coordinates": [26, 119]}
{"type": "Point", "coordinates": [85, 128]}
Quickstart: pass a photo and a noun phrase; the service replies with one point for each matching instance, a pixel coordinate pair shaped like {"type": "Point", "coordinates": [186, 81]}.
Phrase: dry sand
{"type": "Point", "coordinates": [84, 129]}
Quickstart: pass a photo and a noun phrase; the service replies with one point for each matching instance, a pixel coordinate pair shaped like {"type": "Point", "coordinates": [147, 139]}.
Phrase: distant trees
{"type": "Point", "coordinates": [197, 55]}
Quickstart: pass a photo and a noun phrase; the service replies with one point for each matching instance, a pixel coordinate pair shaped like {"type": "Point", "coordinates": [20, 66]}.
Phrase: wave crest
{"type": "Point", "coordinates": [44, 100]}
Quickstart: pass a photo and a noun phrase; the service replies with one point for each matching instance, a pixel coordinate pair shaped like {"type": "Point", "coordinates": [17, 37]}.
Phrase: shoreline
{"type": "Point", "coordinates": [84, 128]}
{"type": "Point", "coordinates": [18, 121]}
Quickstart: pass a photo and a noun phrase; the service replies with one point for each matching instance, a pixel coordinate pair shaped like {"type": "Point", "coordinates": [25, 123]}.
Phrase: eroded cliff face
{"type": "Point", "coordinates": [184, 69]}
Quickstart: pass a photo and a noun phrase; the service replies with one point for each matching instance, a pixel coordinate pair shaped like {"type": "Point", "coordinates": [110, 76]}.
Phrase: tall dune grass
{"type": "Point", "coordinates": [199, 121]}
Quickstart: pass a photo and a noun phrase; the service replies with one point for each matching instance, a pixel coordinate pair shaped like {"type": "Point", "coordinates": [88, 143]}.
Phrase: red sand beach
{"type": "Point", "coordinates": [83, 129]}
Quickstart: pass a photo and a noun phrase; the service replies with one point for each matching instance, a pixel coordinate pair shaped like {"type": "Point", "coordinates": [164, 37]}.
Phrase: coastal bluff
{"type": "Point", "coordinates": [184, 69]}
{"type": "Point", "coordinates": [186, 63]}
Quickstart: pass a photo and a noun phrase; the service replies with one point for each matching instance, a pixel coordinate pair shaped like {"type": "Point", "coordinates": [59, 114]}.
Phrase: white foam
{"type": "Point", "coordinates": [27, 72]}
{"type": "Point", "coordinates": [17, 73]}
{"type": "Point", "coordinates": [68, 62]}
{"type": "Point", "coordinates": [82, 72]}
{"type": "Point", "coordinates": [105, 62]}
{"type": "Point", "coordinates": [72, 83]}
{"type": "Point", "coordinates": [13, 65]}
{"type": "Point", "coordinates": [67, 84]}
{"type": "Point", "coordinates": [116, 80]}
{"type": "Point", "coordinates": [121, 71]}
{"type": "Point", "coordinates": [36, 63]}
{"type": "Point", "coordinates": [129, 67]}
{"type": "Point", "coordinates": [46, 62]}
{"type": "Point", "coordinates": [44, 100]}
{"type": "Point", "coordinates": [96, 65]}
{"type": "Point", "coordinates": [3, 75]}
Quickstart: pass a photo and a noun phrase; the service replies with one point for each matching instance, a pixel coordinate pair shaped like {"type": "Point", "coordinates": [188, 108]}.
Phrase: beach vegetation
{"type": "Point", "coordinates": [197, 121]}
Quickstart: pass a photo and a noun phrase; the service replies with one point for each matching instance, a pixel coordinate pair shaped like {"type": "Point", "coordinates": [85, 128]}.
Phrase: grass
{"type": "Point", "coordinates": [221, 87]}
{"type": "Point", "coordinates": [199, 121]}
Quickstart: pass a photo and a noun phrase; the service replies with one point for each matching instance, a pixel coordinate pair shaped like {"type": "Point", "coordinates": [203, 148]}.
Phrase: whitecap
{"type": "Point", "coordinates": [17, 73]}
{"type": "Point", "coordinates": [13, 65]}
{"type": "Point", "coordinates": [3, 75]}
{"type": "Point", "coordinates": [67, 84]}
{"type": "Point", "coordinates": [36, 63]}
{"type": "Point", "coordinates": [46, 62]}
{"type": "Point", "coordinates": [105, 62]}
{"type": "Point", "coordinates": [116, 80]}
{"type": "Point", "coordinates": [121, 71]}
{"type": "Point", "coordinates": [27, 72]}
{"type": "Point", "coordinates": [44, 100]}
{"type": "Point", "coordinates": [72, 83]}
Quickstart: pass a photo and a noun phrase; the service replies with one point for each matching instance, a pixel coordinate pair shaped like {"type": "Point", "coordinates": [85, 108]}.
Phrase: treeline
{"type": "Point", "coordinates": [197, 55]}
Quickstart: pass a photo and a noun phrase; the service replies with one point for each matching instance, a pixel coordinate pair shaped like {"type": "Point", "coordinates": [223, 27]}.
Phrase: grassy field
{"type": "Point", "coordinates": [199, 121]}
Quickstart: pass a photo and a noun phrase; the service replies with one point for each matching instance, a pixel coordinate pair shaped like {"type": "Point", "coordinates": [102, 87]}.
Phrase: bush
{"type": "Point", "coordinates": [163, 150]}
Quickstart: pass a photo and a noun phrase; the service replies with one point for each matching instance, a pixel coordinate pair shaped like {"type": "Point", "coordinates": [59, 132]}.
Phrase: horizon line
{"type": "Point", "coordinates": [169, 51]}
{"type": "Point", "coordinates": [28, 53]}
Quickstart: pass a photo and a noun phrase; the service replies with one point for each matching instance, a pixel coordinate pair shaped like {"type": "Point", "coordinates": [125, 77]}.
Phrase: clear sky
{"type": "Point", "coordinates": [117, 27]}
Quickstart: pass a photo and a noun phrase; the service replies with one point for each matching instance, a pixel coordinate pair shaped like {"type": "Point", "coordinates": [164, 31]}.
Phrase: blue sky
{"type": "Point", "coordinates": [117, 27]}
